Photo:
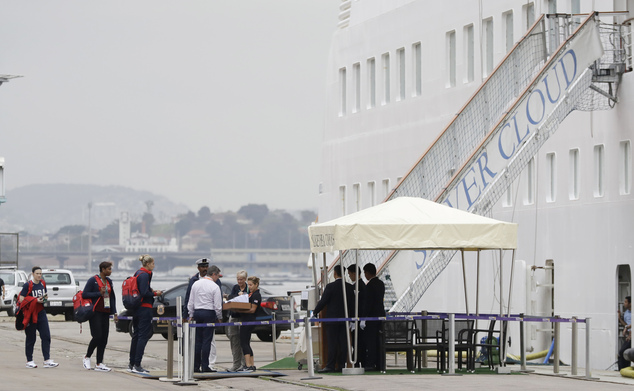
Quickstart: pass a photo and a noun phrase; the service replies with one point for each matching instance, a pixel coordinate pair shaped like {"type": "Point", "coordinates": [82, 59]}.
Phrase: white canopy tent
{"type": "Point", "coordinates": [408, 223]}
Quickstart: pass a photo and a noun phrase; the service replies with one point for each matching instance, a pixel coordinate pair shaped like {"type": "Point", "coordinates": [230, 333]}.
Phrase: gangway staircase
{"type": "Point", "coordinates": [560, 65]}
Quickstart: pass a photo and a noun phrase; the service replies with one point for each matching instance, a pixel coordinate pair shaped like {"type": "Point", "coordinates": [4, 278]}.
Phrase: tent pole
{"type": "Point", "coordinates": [356, 307]}
{"type": "Point", "coordinates": [345, 304]}
{"type": "Point", "coordinates": [324, 275]}
{"type": "Point", "coordinates": [478, 285]}
{"type": "Point", "coordinates": [508, 311]}
{"type": "Point", "coordinates": [464, 280]}
{"type": "Point", "coordinates": [314, 257]}
{"type": "Point", "coordinates": [501, 292]}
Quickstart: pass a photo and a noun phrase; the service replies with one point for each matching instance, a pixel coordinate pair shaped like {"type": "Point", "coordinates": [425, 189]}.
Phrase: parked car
{"type": "Point", "coordinates": [61, 287]}
{"type": "Point", "coordinates": [13, 279]}
{"type": "Point", "coordinates": [278, 304]}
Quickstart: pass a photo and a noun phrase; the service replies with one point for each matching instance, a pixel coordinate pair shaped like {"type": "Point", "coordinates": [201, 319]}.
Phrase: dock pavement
{"type": "Point", "coordinates": [69, 342]}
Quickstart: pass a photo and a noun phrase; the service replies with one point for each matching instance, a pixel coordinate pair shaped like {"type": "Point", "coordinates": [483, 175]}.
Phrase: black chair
{"type": "Point", "coordinates": [398, 336]}
{"type": "Point", "coordinates": [426, 337]}
{"type": "Point", "coordinates": [490, 344]}
{"type": "Point", "coordinates": [463, 342]}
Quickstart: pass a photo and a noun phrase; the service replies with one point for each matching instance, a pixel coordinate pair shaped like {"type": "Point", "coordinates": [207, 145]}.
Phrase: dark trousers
{"type": "Point", "coordinates": [337, 345]}
{"type": "Point", "coordinates": [45, 336]}
{"type": "Point", "coordinates": [142, 324]}
{"type": "Point", "coordinates": [373, 344]}
{"type": "Point", "coordinates": [99, 330]}
{"type": "Point", "coordinates": [245, 339]}
{"type": "Point", "coordinates": [624, 363]}
{"type": "Point", "coordinates": [204, 335]}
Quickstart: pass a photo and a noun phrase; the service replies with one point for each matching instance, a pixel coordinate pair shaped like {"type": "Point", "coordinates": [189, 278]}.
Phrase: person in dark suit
{"type": "Point", "coordinates": [354, 272]}
{"type": "Point", "coordinates": [373, 307]}
{"type": "Point", "coordinates": [335, 331]}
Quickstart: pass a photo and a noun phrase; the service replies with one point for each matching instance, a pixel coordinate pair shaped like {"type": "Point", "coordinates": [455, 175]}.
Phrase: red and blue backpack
{"type": "Point", "coordinates": [83, 308]}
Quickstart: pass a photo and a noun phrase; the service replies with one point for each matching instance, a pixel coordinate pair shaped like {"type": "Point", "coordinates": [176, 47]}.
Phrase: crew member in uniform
{"type": "Point", "coordinates": [333, 298]}
{"type": "Point", "coordinates": [374, 307]}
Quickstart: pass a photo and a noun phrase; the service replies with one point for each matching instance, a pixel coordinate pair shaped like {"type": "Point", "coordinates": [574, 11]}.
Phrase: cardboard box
{"type": "Point", "coordinates": [232, 305]}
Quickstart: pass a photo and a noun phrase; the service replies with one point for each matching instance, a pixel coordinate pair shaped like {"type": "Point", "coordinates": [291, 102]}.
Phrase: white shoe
{"type": "Point", "coordinates": [50, 364]}
{"type": "Point", "coordinates": [102, 368]}
{"type": "Point", "coordinates": [31, 364]}
{"type": "Point", "coordinates": [86, 362]}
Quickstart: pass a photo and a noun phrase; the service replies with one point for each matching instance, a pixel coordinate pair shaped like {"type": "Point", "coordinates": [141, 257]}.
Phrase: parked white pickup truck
{"type": "Point", "coordinates": [61, 287]}
{"type": "Point", "coordinates": [13, 279]}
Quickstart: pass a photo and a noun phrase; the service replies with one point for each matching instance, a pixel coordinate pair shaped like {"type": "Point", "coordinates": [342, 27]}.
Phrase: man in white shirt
{"type": "Point", "coordinates": [205, 304]}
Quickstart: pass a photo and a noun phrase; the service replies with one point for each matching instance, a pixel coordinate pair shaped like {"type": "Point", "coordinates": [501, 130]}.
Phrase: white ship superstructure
{"type": "Point", "coordinates": [400, 71]}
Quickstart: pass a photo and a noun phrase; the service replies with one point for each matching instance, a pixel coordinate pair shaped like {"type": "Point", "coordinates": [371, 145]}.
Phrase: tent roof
{"type": "Point", "coordinates": [412, 223]}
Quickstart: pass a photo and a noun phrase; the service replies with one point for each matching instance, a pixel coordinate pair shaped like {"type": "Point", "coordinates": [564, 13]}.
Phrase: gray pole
{"type": "Point", "coordinates": [573, 359]}
{"type": "Point", "coordinates": [588, 371]}
{"type": "Point", "coordinates": [464, 281]}
{"type": "Point", "coordinates": [89, 268]}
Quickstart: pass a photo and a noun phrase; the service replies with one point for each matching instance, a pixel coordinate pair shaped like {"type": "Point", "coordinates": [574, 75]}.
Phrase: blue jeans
{"type": "Point", "coordinates": [45, 337]}
{"type": "Point", "coordinates": [142, 324]}
{"type": "Point", "coordinates": [204, 335]}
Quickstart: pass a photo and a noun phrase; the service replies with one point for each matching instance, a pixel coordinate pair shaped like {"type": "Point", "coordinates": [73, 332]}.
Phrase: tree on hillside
{"type": "Point", "coordinates": [254, 212]}
{"type": "Point", "coordinates": [110, 233]}
{"type": "Point", "coordinates": [204, 214]}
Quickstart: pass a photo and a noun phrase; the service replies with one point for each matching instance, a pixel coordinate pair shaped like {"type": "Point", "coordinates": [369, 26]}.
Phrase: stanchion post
{"type": "Point", "coordinates": [188, 368]}
{"type": "Point", "coordinates": [309, 349]}
{"type": "Point", "coordinates": [274, 337]}
{"type": "Point", "coordinates": [452, 348]}
{"type": "Point", "coordinates": [556, 349]}
{"type": "Point", "coordinates": [292, 299]}
{"type": "Point", "coordinates": [573, 358]}
{"type": "Point", "coordinates": [170, 350]}
{"type": "Point", "coordinates": [522, 344]}
{"type": "Point", "coordinates": [588, 330]}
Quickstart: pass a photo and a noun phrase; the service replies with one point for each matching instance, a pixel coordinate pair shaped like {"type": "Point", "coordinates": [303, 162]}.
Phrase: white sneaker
{"type": "Point", "coordinates": [86, 362]}
{"type": "Point", "coordinates": [31, 364]}
{"type": "Point", "coordinates": [50, 364]}
{"type": "Point", "coordinates": [102, 368]}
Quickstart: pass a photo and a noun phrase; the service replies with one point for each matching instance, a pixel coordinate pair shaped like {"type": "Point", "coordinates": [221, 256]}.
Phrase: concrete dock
{"type": "Point", "coordinates": [69, 346]}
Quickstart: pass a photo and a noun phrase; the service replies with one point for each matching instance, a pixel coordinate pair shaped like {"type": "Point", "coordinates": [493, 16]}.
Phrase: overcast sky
{"type": "Point", "coordinates": [209, 103]}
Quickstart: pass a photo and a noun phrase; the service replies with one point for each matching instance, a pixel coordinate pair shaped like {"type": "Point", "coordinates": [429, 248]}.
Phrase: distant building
{"type": "Point", "coordinates": [124, 229]}
{"type": "Point", "coordinates": [143, 243]}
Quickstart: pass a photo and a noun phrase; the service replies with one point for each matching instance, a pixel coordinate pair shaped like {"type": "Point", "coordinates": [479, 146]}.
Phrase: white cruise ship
{"type": "Point", "coordinates": [423, 94]}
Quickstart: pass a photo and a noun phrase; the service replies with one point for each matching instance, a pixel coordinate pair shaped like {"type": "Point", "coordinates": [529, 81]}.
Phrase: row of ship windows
{"type": "Point", "coordinates": [507, 20]}
{"type": "Point", "coordinates": [598, 178]}
{"type": "Point", "coordinates": [574, 180]}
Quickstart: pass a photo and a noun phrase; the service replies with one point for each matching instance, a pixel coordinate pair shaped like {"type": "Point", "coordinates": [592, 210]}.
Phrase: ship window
{"type": "Point", "coordinates": [488, 46]}
{"type": "Point", "coordinates": [552, 6]}
{"type": "Point", "coordinates": [575, 9]}
{"type": "Point", "coordinates": [552, 177]}
{"type": "Point", "coordinates": [386, 187]}
{"type": "Point", "coordinates": [573, 174]}
{"type": "Point", "coordinates": [599, 170]}
{"type": "Point", "coordinates": [626, 162]}
{"type": "Point", "coordinates": [371, 194]}
{"type": "Point", "coordinates": [386, 77]}
{"type": "Point", "coordinates": [418, 69]}
{"type": "Point", "coordinates": [470, 53]}
{"type": "Point", "coordinates": [530, 183]}
{"type": "Point", "coordinates": [342, 91]}
{"type": "Point", "coordinates": [356, 71]}
{"type": "Point", "coordinates": [508, 28]}
{"type": "Point", "coordinates": [508, 197]}
{"type": "Point", "coordinates": [342, 199]}
{"type": "Point", "coordinates": [371, 83]}
{"type": "Point", "coordinates": [528, 12]}
{"type": "Point", "coordinates": [356, 191]}
{"type": "Point", "coordinates": [451, 59]}
{"type": "Point", "coordinates": [400, 54]}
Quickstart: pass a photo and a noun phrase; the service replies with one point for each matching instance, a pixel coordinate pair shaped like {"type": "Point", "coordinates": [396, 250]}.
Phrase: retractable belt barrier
{"type": "Point", "coordinates": [399, 316]}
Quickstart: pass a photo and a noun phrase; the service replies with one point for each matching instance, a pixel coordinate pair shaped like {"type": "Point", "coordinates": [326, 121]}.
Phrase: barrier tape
{"type": "Point", "coordinates": [400, 317]}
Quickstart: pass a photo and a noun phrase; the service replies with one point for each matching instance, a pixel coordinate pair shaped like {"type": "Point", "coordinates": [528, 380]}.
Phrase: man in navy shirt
{"type": "Point", "coordinates": [33, 296]}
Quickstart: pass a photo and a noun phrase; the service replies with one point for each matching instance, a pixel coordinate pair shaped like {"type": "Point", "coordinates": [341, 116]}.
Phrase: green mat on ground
{"type": "Point", "coordinates": [285, 363]}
